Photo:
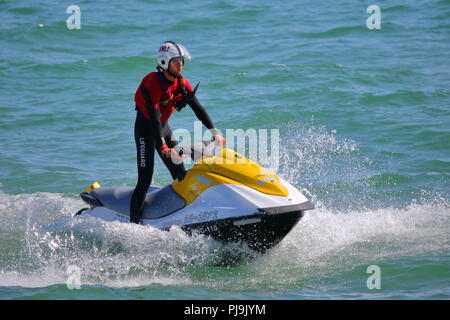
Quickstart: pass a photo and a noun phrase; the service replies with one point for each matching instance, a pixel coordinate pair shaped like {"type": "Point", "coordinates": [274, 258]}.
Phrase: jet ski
{"type": "Point", "coordinates": [226, 197]}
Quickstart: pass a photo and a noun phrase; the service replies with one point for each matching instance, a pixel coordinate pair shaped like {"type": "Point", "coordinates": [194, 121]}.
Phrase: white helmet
{"type": "Point", "coordinates": [170, 50]}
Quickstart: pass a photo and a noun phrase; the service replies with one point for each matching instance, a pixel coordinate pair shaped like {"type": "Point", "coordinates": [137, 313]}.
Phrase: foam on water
{"type": "Point", "coordinates": [43, 240]}
{"type": "Point", "coordinates": [370, 235]}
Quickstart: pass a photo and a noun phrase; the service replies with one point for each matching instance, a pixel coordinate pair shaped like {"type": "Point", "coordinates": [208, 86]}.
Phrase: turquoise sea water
{"type": "Point", "coordinates": [363, 116]}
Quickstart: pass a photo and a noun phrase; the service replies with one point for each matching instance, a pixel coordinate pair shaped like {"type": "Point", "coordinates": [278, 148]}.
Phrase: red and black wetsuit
{"type": "Point", "coordinates": [155, 102]}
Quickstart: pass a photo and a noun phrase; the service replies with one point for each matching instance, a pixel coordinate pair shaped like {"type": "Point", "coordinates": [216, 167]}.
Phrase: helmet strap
{"type": "Point", "coordinates": [160, 69]}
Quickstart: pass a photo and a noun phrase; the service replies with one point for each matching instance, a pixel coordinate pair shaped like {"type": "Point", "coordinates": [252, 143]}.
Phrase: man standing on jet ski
{"type": "Point", "coordinates": [159, 93]}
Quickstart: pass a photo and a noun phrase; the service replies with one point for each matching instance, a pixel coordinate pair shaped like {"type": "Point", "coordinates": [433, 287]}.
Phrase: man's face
{"type": "Point", "coordinates": [176, 66]}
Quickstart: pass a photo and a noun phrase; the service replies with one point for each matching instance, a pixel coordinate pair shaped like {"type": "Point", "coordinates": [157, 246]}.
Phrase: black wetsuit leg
{"type": "Point", "coordinates": [176, 170]}
{"type": "Point", "coordinates": [145, 146]}
{"type": "Point", "coordinates": [144, 136]}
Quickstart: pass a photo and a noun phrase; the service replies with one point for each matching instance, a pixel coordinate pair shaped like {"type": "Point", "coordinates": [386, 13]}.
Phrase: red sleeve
{"type": "Point", "coordinates": [154, 90]}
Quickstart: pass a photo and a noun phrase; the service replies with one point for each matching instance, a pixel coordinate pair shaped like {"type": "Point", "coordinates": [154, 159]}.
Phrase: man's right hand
{"type": "Point", "coordinates": [167, 153]}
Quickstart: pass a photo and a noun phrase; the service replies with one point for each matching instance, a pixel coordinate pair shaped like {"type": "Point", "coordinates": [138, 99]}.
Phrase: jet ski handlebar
{"type": "Point", "coordinates": [197, 150]}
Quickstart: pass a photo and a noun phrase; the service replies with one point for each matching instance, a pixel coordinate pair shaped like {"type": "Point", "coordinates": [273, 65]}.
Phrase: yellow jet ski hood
{"type": "Point", "coordinates": [229, 167]}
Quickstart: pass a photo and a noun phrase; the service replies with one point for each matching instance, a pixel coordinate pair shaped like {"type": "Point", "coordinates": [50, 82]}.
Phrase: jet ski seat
{"type": "Point", "coordinates": [119, 198]}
